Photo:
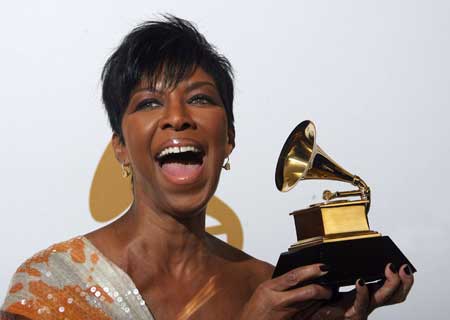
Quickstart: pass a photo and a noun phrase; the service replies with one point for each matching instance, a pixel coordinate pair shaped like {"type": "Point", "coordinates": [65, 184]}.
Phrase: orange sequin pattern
{"type": "Point", "coordinates": [72, 280]}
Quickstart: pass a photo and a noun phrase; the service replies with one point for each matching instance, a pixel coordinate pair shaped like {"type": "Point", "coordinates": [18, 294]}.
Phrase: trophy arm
{"type": "Point", "coordinates": [363, 191]}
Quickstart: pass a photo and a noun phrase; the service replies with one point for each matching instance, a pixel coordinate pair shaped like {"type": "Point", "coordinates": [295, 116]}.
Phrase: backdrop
{"type": "Point", "coordinates": [373, 75]}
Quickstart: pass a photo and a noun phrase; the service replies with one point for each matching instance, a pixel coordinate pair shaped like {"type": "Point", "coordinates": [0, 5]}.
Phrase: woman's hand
{"type": "Point", "coordinates": [360, 302]}
{"type": "Point", "coordinates": [273, 299]}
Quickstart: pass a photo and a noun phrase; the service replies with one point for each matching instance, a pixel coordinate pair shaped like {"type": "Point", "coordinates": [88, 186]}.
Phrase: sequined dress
{"type": "Point", "coordinates": [73, 280]}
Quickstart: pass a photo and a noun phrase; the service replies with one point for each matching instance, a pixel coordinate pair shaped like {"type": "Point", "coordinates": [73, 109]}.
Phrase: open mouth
{"type": "Point", "coordinates": [181, 163]}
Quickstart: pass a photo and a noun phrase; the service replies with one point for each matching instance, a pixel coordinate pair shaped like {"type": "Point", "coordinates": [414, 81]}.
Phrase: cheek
{"type": "Point", "coordinates": [215, 126]}
{"type": "Point", "coordinates": [218, 143]}
{"type": "Point", "coordinates": [138, 130]}
{"type": "Point", "coordinates": [220, 135]}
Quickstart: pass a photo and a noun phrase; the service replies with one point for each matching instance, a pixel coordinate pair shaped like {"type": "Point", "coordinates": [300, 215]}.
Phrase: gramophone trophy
{"type": "Point", "coordinates": [335, 232]}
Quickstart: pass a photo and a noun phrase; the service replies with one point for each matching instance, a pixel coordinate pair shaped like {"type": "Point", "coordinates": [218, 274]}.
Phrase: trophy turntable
{"type": "Point", "coordinates": [335, 232]}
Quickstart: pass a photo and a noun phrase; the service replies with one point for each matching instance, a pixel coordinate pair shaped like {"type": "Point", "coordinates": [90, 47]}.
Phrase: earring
{"type": "Point", "coordinates": [126, 170]}
{"type": "Point", "coordinates": [227, 165]}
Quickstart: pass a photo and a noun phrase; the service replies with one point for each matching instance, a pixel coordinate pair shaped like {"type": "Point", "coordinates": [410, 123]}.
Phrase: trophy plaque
{"type": "Point", "coordinates": [335, 232]}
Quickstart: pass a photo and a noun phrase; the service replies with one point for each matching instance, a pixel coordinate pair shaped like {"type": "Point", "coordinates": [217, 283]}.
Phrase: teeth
{"type": "Point", "coordinates": [171, 150]}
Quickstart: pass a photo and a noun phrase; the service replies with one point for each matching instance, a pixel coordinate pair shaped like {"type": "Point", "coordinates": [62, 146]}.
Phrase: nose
{"type": "Point", "coordinates": [177, 117]}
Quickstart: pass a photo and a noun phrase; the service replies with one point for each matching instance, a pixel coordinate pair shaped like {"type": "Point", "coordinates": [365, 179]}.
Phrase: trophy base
{"type": "Point", "coordinates": [348, 260]}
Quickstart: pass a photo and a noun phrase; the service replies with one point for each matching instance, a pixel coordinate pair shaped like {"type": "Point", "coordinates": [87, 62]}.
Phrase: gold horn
{"type": "Point", "coordinates": [301, 159]}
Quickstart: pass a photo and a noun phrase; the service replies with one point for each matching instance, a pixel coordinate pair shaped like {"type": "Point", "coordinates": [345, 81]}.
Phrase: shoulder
{"type": "Point", "coordinates": [41, 264]}
{"type": "Point", "coordinates": [255, 270]}
{"type": "Point", "coordinates": [44, 277]}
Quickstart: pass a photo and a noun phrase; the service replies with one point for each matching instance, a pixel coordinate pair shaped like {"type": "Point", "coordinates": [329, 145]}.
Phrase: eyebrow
{"type": "Point", "coordinates": [199, 84]}
{"type": "Point", "coordinates": [145, 89]}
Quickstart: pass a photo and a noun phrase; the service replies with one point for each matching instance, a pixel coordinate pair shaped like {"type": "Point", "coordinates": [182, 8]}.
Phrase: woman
{"type": "Point", "coordinates": [169, 98]}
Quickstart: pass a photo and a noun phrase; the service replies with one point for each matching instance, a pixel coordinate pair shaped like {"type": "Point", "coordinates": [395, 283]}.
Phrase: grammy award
{"type": "Point", "coordinates": [335, 232]}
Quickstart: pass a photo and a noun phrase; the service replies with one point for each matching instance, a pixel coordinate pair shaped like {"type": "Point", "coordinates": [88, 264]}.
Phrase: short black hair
{"type": "Point", "coordinates": [167, 50]}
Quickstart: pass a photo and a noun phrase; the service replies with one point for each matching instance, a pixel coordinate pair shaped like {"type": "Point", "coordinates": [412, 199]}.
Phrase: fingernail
{"type": "Point", "coordinates": [324, 268]}
{"type": "Point", "coordinates": [393, 268]}
{"type": "Point", "coordinates": [361, 283]}
{"type": "Point", "coordinates": [408, 270]}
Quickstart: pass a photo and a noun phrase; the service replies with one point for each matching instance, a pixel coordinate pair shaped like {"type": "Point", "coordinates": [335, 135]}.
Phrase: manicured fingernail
{"type": "Point", "coordinates": [361, 283]}
{"type": "Point", "coordinates": [393, 268]}
{"type": "Point", "coordinates": [408, 270]}
{"type": "Point", "coordinates": [324, 268]}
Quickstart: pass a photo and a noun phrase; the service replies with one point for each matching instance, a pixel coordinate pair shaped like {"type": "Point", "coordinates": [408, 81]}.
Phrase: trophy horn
{"type": "Point", "coordinates": [301, 159]}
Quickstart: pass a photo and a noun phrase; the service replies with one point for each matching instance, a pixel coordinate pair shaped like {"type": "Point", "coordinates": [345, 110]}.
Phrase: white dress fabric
{"type": "Point", "coordinates": [73, 280]}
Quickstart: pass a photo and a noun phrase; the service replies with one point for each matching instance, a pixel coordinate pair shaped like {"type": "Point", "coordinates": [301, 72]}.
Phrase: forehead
{"type": "Point", "coordinates": [162, 83]}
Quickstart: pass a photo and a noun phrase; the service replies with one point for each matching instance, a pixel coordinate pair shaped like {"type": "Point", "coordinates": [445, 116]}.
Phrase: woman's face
{"type": "Point", "coordinates": [176, 140]}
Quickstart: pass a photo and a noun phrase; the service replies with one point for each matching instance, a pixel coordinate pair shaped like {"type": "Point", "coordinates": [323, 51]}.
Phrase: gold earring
{"type": "Point", "coordinates": [126, 170]}
{"type": "Point", "coordinates": [227, 165]}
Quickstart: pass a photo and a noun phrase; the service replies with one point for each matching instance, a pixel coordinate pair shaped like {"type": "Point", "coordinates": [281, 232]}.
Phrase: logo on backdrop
{"type": "Point", "coordinates": [110, 195]}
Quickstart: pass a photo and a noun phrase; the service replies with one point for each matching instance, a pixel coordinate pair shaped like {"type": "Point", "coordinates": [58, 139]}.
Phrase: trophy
{"type": "Point", "coordinates": [335, 232]}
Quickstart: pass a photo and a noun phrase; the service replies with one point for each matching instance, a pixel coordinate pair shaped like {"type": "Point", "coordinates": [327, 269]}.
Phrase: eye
{"type": "Point", "coordinates": [148, 104]}
{"type": "Point", "coordinates": [201, 99]}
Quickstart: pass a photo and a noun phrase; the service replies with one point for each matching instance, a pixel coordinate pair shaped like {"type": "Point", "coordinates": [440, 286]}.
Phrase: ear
{"type": "Point", "coordinates": [230, 145]}
{"type": "Point", "coordinates": [120, 150]}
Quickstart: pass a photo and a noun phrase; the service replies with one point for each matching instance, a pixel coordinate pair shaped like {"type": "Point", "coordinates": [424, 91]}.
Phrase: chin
{"type": "Point", "coordinates": [183, 201]}
{"type": "Point", "coordinates": [187, 207]}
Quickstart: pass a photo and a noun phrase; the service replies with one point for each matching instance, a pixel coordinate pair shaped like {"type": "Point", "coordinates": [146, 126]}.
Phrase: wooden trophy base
{"type": "Point", "coordinates": [348, 260]}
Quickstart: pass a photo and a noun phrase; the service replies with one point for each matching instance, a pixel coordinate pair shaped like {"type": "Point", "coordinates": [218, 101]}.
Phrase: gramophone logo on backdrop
{"type": "Point", "coordinates": [110, 195]}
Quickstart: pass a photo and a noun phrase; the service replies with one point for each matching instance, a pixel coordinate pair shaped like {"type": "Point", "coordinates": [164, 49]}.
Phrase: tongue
{"type": "Point", "coordinates": [180, 170]}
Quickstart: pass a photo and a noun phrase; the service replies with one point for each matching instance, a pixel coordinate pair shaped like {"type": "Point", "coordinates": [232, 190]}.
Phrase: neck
{"type": "Point", "coordinates": [162, 242]}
